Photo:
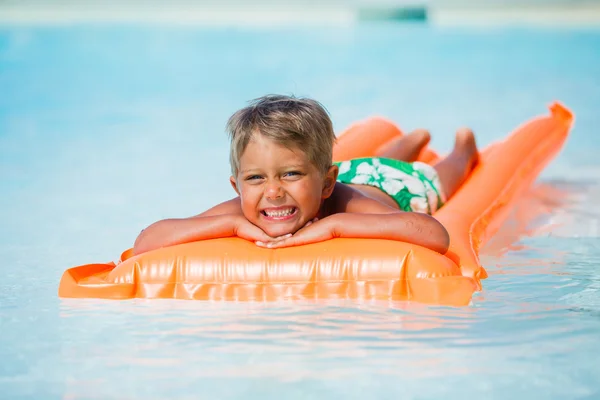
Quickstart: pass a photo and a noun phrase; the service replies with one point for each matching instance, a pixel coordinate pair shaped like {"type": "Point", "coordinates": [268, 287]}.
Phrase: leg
{"type": "Point", "coordinates": [454, 169]}
{"type": "Point", "coordinates": [405, 148]}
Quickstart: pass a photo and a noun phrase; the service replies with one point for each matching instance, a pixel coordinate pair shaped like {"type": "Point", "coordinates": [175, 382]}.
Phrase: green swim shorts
{"type": "Point", "coordinates": [414, 186]}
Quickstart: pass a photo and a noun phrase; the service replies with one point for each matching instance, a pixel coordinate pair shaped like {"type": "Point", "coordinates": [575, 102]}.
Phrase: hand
{"type": "Point", "coordinates": [247, 230]}
{"type": "Point", "coordinates": [318, 232]}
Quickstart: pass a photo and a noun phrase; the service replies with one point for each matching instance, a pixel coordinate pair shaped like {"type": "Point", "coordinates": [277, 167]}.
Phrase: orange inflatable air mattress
{"type": "Point", "coordinates": [235, 269]}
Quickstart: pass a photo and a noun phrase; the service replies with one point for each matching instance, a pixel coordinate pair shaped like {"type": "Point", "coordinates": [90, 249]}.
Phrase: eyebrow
{"type": "Point", "coordinates": [294, 166]}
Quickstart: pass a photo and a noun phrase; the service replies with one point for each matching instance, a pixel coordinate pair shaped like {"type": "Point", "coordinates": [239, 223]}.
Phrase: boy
{"type": "Point", "coordinates": [290, 193]}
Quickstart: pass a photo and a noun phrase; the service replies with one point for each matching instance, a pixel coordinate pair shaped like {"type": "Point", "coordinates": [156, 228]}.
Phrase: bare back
{"type": "Point", "coordinates": [359, 199]}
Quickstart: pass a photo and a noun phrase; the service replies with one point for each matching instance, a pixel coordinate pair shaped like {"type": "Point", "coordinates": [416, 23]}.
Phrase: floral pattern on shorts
{"type": "Point", "coordinates": [414, 186]}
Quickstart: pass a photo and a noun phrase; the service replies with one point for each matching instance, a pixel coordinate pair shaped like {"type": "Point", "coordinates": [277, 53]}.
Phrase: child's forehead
{"type": "Point", "coordinates": [270, 153]}
{"type": "Point", "coordinates": [272, 145]}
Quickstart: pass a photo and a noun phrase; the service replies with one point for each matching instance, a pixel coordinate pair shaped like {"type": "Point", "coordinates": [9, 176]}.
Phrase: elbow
{"type": "Point", "coordinates": [146, 240]}
{"type": "Point", "coordinates": [442, 239]}
{"type": "Point", "coordinates": [424, 230]}
{"type": "Point", "coordinates": [140, 245]}
{"type": "Point", "coordinates": [433, 234]}
{"type": "Point", "coordinates": [444, 242]}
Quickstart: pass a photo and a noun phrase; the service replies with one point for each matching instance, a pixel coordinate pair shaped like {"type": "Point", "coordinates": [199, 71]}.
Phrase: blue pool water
{"type": "Point", "coordinates": [106, 129]}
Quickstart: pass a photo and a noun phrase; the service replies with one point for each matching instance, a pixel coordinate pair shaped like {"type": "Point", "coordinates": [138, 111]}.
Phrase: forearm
{"type": "Point", "coordinates": [417, 228]}
{"type": "Point", "coordinates": [170, 232]}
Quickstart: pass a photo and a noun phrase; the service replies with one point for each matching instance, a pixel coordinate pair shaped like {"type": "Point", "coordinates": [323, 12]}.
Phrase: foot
{"type": "Point", "coordinates": [405, 148]}
{"type": "Point", "coordinates": [420, 136]}
{"type": "Point", "coordinates": [465, 143]}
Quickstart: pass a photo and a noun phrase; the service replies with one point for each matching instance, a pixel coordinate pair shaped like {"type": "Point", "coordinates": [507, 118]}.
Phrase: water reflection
{"type": "Point", "coordinates": [534, 214]}
{"type": "Point", "coordinates": [295, 343]}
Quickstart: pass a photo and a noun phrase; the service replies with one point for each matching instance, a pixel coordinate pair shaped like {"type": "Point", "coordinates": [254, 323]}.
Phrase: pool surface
{"type": "Point", "coordinates": [106, 129]}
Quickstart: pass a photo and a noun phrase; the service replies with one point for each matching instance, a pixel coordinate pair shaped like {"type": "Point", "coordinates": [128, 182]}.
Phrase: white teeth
{"type": "Point", "coordinates": [279, 213]}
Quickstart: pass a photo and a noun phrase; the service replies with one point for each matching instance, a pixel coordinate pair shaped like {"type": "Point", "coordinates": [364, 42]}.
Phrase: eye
{"type": "Point", "coordinates": [292, 174]}
{"type": "Point", "coordinates": [253, 177]}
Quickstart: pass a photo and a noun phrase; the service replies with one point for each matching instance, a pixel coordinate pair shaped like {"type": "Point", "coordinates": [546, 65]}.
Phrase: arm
{"type": "Point", "coordinates": [420, 229]}
{"type": "Point", "coordinates": [417, 228]}
{"type": "Point", "coordinates": [375, 219]}
{"type": "Point", "coordinates": [169, 232]}
{"type": "Point", "coordinates": [223, 220]}
{"type": "Point", "coordinates": [352, 214]}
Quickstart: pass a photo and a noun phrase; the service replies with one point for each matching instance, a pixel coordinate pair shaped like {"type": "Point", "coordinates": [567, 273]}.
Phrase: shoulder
{"type": "Point", "coordinates": [233, 206]}
{"type": "Point", "coordinates": [348, 199]}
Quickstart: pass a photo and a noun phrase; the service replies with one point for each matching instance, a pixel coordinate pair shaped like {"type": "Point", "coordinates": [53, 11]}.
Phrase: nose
{"type": "Point", "coordinates": [273, 190]}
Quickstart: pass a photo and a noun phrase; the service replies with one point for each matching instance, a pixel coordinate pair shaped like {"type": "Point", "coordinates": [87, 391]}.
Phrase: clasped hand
{"type": "Point", "coordinates": [313, 231]}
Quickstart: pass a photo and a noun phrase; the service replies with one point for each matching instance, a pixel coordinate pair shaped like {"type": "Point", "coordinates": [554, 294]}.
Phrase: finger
{"type": "Point", "coordinates": [267, 242]}
{"type": "Point", "coordinates": [255, 234]}
{"type": "Point", "coordinates": [264, 237]}
{"type": "Point", "coordinates": [272, 244]}
{"type": "Point", "coordinates": [279, 238]}
{"type": "Point", "coordinates": [309, 223]}
{"type": "Point", "coordinates": [282, 243]}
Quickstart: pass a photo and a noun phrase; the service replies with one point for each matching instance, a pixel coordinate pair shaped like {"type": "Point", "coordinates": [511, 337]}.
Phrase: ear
{"type": "Point", "coordinates": [234, 184]}
{"type": "Point", "coordinates": [329, 181]}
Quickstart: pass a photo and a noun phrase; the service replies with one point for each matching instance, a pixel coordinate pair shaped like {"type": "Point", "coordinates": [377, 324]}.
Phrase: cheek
{"type": "Point", "coordinates": [249, 197]}
{"type": "Point", "coordinates": [311, 194]}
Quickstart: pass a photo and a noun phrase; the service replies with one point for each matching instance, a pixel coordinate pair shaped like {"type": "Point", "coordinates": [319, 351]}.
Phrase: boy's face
{"type": "Point", "coordinates": [279, 188]}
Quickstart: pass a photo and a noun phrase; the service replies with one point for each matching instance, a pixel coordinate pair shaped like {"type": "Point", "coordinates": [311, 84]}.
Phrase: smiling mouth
{"type": "Point", "coordinates": [279, 214]}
